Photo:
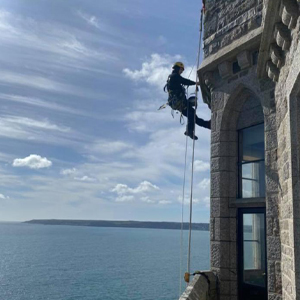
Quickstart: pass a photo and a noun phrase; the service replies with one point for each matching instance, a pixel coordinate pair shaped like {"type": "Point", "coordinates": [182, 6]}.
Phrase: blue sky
{"type": "Point", "coordinates": [81, 137]}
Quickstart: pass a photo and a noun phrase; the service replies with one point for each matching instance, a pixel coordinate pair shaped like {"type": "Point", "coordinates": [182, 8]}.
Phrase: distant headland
{"type": "Point", "coordinates": [126, 224]}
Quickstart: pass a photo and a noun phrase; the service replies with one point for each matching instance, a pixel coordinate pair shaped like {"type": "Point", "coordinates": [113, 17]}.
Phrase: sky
{"type": "Point", "coordinates": [81, 136]}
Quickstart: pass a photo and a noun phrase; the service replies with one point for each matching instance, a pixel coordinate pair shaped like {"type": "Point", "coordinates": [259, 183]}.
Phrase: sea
{"type": "Point", "coordinates": [40, 262]}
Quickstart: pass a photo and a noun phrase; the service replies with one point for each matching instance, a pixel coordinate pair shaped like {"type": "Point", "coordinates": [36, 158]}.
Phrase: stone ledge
{"type": "Point", "coordinates": [200, 289]}
{"type": "Point", "coordinates": [247, 202]}
{"type": "Point", "coordinates": [250, 40]}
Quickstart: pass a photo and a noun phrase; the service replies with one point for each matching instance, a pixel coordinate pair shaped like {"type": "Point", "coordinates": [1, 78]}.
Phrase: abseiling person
{"type": "Point", "coordinates": [177, 99]}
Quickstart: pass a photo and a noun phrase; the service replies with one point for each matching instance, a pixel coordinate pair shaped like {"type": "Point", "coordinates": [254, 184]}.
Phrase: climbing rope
{"type": "Point", "coordinates": [183, 196]}
{"type": "Point", "coordinates": [182, 209]}
{"type": "Point", "coordinates": [193, 155]}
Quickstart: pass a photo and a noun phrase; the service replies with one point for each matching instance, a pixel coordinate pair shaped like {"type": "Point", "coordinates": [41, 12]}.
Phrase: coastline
{"type": "Point", "coordinates": [124, 224]}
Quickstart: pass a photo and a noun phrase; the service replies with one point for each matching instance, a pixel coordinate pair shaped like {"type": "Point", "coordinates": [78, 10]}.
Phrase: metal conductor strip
{"type": "Point", "coordinates": [192, 175]}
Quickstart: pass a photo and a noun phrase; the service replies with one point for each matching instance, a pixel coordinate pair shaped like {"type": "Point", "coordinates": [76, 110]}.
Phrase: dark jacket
{"type": "Point", "coordinates": [176, 82]}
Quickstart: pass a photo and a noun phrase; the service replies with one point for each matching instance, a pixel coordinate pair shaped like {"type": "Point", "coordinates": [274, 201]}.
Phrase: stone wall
{"type": "Point", "coordinates": [226, 21]}
{"type": "Point", "coordinates": [229, 114]}
{"type": "Point", "coordinates": [287, 94]}
{"type": "Point", "coordinates": [272, 201]}
{"type": "Point", "coordinates": [228, 76]}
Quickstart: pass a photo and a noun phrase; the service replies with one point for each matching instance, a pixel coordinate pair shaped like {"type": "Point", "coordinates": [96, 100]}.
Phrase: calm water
{"type": "Point", "coordinates": [66, 263]}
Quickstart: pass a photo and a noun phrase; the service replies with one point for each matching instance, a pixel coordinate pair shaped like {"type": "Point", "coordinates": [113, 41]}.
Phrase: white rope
{"type": "Point", "coordinates": [193, 156]}
{"type": "Point", "coordinates": [181, 231]}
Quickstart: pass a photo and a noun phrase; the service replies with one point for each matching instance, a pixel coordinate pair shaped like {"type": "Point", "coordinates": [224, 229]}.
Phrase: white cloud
{"type": "Point", "coordinates": [90, 19]}
{"type": "Point", "coordinates": [155, 70]}
{"type": "Point", "coordinates": [32, 161]}
{"type": "Point", "coordinates": [45, 124]}
{"type": "Point", "coordinates": [126, 193]}
{"type": "Point", "coordinates": [68, 171]}
{"type": "Point", "coordinates": [109, 147]}
{"type": "Point", "coordinates": [75, 46]}
{"type": "Point", "coordinates": [204, 184]}
{"type": "Point", "coordinates": [187, 199]}
{"type": "Point", "coordinates": [206, 201]}
{"type": "Point", "coordinates": [41, 103]}
{"type": "Point", "coordinates": [147, 200]}
{"type": "Point", "coordinates": [26, 32]}
{"type": "Point", "coordinates": [143, 187]}
{"type": "Point", "coordinates": [124, 198]}
{"type": "Point", "coordinates": [3, 197]}
{"type": "Point", "coordinates": [202, 200]}
{"type": "Point", "coordinates": [51, 48]}
{"type": "Point", "coordinates": [30, 81]}
{"type": "Point", "coordinates": [72, 172]}
{"type": "Point", "coordinates": [121, 189]}
{"type": "Point", "coordinates": [167, 147]}
{"type": "Point", "coordinates": [140, 120]}
{"type": "Point", "coordinates": [20, 128]}
{"type": "Point", "coordinates": [42, 83]}
{"type": "Point", "coordinates": [85, 178]}
{"type": "Point", "coordinates": [201, 166]}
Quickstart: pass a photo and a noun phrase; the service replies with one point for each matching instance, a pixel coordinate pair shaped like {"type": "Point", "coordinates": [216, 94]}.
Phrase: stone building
{"type": "Point", "coordinates": [250, 78]}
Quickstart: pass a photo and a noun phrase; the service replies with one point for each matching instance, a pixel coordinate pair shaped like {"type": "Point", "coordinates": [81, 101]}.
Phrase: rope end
{"type": "Point", "coordinates": [187, 277]}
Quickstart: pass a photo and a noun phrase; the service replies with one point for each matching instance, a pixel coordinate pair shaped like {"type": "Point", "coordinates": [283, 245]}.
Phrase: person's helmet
{"type": "Point", "coordinates": [179, 65]}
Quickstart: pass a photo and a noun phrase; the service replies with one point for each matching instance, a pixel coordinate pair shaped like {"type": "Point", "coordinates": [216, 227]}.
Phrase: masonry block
{"type": "Point", "coordinates": [222, 229]}
{"type": "Point", "coordinates": [225, 69]}
{"type": "Point", "coordinates": [220, 254]}
{"type": "Point", "coordinates": [219, 184]}
{"type": "Point", "coordinates": [244, 59]}
{"type": "Point", "coordinates": [219, 207]}
{"type": "Point", "coordinates": [274, 247]}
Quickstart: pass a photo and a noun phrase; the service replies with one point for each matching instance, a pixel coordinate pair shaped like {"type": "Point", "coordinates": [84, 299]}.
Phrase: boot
{"type": "Point", "coordinates": [208, 124]}
{"type": "Point", "coordinates": [191, 136]}
{"type": "Point", "coordinates": [203, 123]}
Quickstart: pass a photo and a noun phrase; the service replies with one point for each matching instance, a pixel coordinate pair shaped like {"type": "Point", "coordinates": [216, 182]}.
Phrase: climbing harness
{"type": "Point", "coordinates": [177, 102]}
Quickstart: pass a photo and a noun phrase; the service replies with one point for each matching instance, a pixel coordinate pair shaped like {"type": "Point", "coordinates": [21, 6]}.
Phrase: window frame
{"type": "Point", "coordinates": [240, 164]}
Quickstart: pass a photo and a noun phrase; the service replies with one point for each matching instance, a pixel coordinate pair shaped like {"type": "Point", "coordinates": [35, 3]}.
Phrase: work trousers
{"type": "Point", "coordinates": [189, 112]}
{"type": "Point", "coordinates": [181, 104]}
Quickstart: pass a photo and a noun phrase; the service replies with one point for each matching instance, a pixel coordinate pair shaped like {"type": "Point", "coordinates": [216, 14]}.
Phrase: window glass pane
{"type": "Point", "coordinates": [251, 162]}
{"type": "Point", "coordinates": [253, 180]}
{"type": "Point", "coordinates": [253, 143]}
{"type": "Point", "coordinates": [254, 249]}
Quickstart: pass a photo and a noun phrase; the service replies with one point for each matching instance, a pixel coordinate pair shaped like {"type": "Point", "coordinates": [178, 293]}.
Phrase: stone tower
{"type": "Point", "coordinates": [250, 78]}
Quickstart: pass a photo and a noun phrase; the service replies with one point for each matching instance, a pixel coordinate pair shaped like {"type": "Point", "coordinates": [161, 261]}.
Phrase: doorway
{"type": "Point", "coordinates": [252, 260]}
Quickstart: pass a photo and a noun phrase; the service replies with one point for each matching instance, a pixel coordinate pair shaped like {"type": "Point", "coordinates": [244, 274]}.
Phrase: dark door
{"type": "Point", "coordinates": [252, 254]}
